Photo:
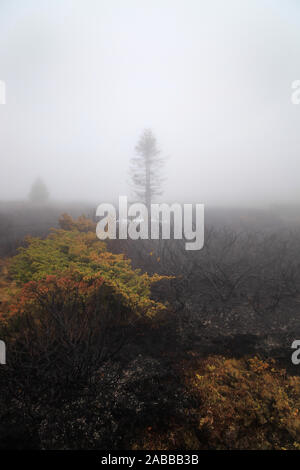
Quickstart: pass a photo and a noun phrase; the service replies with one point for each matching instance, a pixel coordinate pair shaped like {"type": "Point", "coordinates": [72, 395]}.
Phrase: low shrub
{"type": "Point", "coordinates": [246, 404]}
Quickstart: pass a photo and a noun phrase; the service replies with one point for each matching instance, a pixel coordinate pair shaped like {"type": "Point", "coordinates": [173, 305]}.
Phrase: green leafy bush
{"type": "Point", "coordinates": [75, 251]}
{"type": "Point", "coordinates": [73, 306]}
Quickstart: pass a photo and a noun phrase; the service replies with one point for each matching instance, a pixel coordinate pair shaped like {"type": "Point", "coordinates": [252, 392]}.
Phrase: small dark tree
{"type": "Point", "coordinates": [39, 192]}
{"type": "Point", "coordinates": [146, 169]}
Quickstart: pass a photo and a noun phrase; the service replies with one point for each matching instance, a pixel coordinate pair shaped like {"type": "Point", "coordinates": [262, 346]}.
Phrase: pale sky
{"type": "Point", "coordinates": [212, 79]}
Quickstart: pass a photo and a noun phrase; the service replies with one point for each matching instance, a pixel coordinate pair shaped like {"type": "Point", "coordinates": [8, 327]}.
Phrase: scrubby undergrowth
{"type": "Point", "coordinates": [97, 359]}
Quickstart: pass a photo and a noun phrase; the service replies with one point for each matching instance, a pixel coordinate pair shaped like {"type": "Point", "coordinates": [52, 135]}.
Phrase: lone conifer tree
{"type": "Point", "coordinates": [39, 192]}
{"type": "Point", "coordinates": [146, 169]}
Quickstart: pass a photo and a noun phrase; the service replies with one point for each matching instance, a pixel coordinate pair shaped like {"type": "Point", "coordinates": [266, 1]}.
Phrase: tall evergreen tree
{"type": "Point", "coordinates": [146, 169]}
{"type": "Point", "coordinates": [39, 192]}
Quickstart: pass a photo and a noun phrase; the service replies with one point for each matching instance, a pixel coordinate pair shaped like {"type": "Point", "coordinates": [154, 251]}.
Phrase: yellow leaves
{"type": "Point", "coordinates": [257, 365]}
{"type": "Point", "coordinates": [74, 250]}
{"type": "Point", "coordinates": [248, 395]}
{"type": "Point", "coordinates": [82, 224]}
{"type": "Point", "coordinates": [207, 420]}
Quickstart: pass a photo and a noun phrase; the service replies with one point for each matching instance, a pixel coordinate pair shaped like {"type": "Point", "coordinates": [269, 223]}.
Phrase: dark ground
{"type": "Point", "coordinates": [142, 389]}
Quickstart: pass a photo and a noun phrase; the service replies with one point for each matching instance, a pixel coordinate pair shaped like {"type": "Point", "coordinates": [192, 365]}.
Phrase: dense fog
{"type": "Point", "coordinates": [212, 79]}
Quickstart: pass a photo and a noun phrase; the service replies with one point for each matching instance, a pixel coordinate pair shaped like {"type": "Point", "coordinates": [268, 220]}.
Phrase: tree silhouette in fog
{"type": "Point", "coordinates": [39, 192]}
{"type": "Point", "coordinates": [146, 168]}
